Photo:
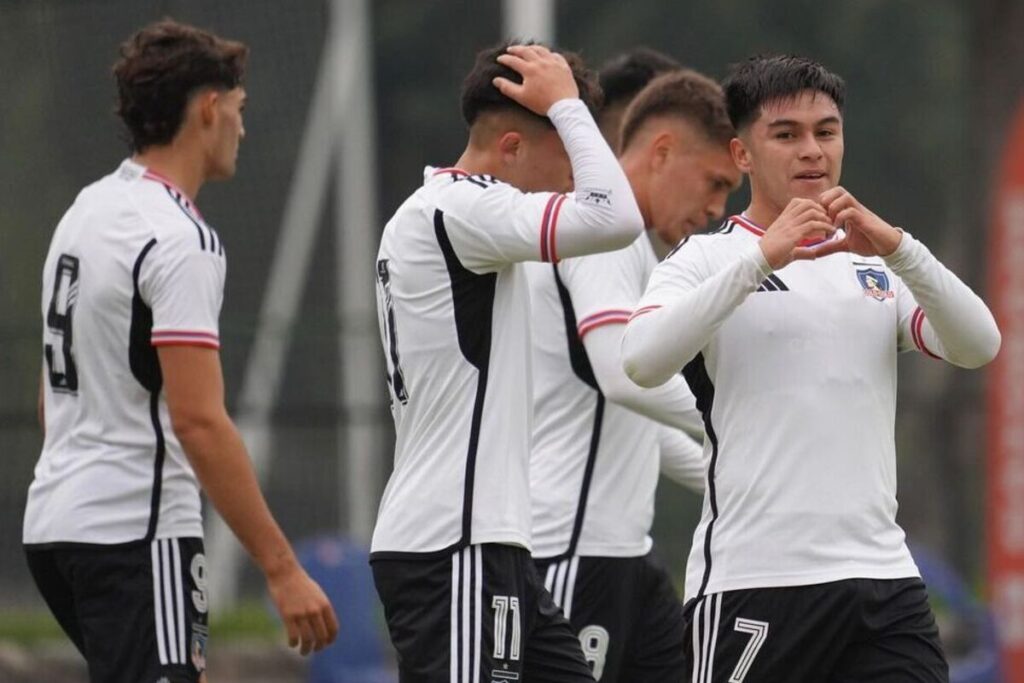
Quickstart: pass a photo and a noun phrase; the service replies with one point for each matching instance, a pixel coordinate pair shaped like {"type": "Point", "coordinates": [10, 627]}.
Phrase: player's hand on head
{"type": "Point", "coordinates": [307, 614]}
{"type": "Point", "coordinates": [801, 220]}
{"type": "Point", "coordinates": [865, 233]}
{"type": "Point", "coordinates": [547, 77]}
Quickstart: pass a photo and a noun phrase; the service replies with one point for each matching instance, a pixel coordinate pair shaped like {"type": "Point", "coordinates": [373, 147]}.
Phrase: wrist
{"type": "Point", "coordinates": [892, 241]}
{"type": "Point", "coordinates": [279, 564]}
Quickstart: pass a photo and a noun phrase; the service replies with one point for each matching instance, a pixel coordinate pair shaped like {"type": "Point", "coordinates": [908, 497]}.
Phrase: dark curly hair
{"type": "Point", "coordinates": [160, 68]}
{"type": "Point", "coordinates": [479, 94]}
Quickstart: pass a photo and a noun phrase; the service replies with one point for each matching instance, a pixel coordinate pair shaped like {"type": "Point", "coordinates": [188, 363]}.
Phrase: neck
{"type": "Point", "coordinates": [180, 166]}
{"type": "Point", "coordinates": [475, 162]}
{"type": "Point", "coordinates": [762, 212]}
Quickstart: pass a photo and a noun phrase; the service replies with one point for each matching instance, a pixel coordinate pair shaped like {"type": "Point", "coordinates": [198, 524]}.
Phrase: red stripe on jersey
{"type": "Point", "coordinates": [753, 227]}
{"type": "Point", "coordinates": [456, 171]}
{"type": "Point", "coordinates": [545, 222]}
{"type": "Point", "coordinates": [166, 182]}
{"type": "Point", "coordinates": [185, 333]}
{"type": "Point", "coordinates": [554, 226]}
{"type": "Point", "coordinates": [744, 222]}
{"type": "Point", "coordinates": [600, 319]}
{"type": "Point", "coordinates": [640, 311]}
{"type": "Point", "coordinates": [186, 342]}
{"type": "Point", "coordinates": [916, 322]}
{"type": "Point", "coordinates": [603, 314]}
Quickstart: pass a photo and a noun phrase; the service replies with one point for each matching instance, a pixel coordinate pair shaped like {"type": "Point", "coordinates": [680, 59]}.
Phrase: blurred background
{"type": "Point", "coordinates": [348, 100]}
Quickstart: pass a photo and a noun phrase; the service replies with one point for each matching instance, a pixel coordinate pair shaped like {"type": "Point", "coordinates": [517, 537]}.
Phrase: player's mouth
{"type": "Point", "coordinates": [810, 176]}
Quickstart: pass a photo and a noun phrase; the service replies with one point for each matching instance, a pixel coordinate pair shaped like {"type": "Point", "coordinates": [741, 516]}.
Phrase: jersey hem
{"type": "Point", "coordinates": [791, 580]}
{"type": "Point", "coordinates": [497, 539]}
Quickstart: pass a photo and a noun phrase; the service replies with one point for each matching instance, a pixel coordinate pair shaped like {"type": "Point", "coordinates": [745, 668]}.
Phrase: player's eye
{"type": "Point", "coordinates": [784, 135]}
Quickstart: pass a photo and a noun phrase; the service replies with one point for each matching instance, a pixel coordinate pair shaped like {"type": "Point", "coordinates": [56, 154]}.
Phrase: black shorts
{"type": "Point", "coordinates": [136, 611]}
{"type": "Point", "coordinates": [849, 631]}
{"type": "Point", "coordinates": [476, 616]}
{"type": "Point", "coordinates": [626, 614]}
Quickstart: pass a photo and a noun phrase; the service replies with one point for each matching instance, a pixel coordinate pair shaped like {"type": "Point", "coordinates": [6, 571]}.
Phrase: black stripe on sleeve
{"type": "Point", "coordinates": [199, 229]}
{"type": "Point", "coordinates": [473, 300]}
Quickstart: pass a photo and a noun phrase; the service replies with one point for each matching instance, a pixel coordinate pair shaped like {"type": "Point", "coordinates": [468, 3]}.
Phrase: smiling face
{"type": "Point", "coordinates": [793, 149]}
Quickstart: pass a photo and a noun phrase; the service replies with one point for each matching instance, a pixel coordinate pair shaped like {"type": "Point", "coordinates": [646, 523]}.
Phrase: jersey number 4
{"type": "Point", "coordinates": [61, 366]}
{"type": "Point", "coordinates": [396, 379]}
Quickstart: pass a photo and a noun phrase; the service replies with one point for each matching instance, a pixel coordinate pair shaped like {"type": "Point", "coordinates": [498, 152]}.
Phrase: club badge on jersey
{"type": "Point", "coordinates": [875, 284]}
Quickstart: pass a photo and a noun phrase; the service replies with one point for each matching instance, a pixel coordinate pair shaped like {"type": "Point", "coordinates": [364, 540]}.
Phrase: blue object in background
{"type": "Point", "coordinates": [981, 663]}
{"type": "Point", "coordinates": [342, 569]}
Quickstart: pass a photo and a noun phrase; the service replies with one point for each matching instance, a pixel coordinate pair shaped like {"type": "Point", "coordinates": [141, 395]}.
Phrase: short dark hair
{"type": "Point", "coordinates": [161, 66]}
{"type": "Point", "coordinates": [764, 78]}
{"type": "Point", "coordinates": [685, 94]}
{"type": "Point", "coordinates": [624, 75]}
{"type": "Point", "coordinates": [479, 94]}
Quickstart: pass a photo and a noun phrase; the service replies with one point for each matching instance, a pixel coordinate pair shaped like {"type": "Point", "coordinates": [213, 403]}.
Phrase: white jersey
{"type": "Point", "coordinates": [132, 265]}
{"type": "Point", "coordinates": [795, 372]}
{"type": "Point", "coordinates": [594, 466]}
{"type": "Point", "coordinates": [455, 328]}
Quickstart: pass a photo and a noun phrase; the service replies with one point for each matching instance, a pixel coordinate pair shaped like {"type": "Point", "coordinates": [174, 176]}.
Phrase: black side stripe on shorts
{"type": "Point", "coordinates": [707, 614]}
{"type": "Point", "coordinates": [473, 301]}
{"type": "Point", "coordinates": [466, 615]}
{"type": "Point", "coordinates": [697, 378]}
{"type": "Point", "coordinates": [168, 601]}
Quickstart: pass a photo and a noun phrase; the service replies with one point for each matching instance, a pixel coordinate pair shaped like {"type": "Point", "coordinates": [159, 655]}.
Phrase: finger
{"type": "Point", "coordinates": [507, 88]}
{"type": "Point", "coordinates": [320, 630]}
{"type": "Point", "coordinates": [514, 62]}
{"type": "Point", "coordinates": [839, 204]}
{"type": "Point", "coordinates": [817, 225]}
{"type": "Point", "coordinates": [848, 217]}
{"type": "Point", "coordinates": [308, 636]}
{"type": "Point", "coordinates": [332, 623]}
{"type": "Point", "coordinates": [292, 629]}
{"type": "Point", "coordinates": [829, 196]}
{"type": "Point", "coordinates": [830, 247]}
{"type": "Point", "coordinates": [518, 50]}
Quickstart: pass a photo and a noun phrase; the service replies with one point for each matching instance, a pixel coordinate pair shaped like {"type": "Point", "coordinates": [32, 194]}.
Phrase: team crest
{"type": "Point", "coordinates": [875, 284]}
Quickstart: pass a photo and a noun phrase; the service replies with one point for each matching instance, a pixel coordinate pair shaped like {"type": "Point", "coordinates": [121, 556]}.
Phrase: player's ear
{"type": "Point", "coordinates": [206, 103]}
{"type": "Point", "coordinates": [740, 154]}
{"type": "Point", "coordinates": [659, 151]}
{"type": "Point", "coordinates": [510, 144]}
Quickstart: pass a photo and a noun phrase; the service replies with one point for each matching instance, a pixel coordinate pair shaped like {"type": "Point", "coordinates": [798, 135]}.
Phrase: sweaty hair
{"type": "Point", "coordinates": [684, 94]}
{"type": "Point", "coordinates": [479, 94]}
{"type": "Point", "coordinates": [765, 78]}
{"type": "Point", "coordinates": [161, 67]}
{"type": "Point", "coordinates": [623, 76]}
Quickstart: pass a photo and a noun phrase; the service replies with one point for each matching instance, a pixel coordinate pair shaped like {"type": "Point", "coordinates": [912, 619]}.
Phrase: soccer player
{"type": "Point", "coordinates": [595, 462]}
{"type": "Point", "coordinates": [788, 332]}
{"type": "Point", "coordinates": [132, 392]}
{"type": "Point", "coordinates": [621, 79]}
{"type": "Point", "coordinates": [451, 549]}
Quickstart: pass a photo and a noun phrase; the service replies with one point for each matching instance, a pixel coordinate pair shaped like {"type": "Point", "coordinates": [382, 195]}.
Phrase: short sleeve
{"type": "Point", "coordinates": [183, 285]}
{"type": "Point", "coordinates": [606, 287]}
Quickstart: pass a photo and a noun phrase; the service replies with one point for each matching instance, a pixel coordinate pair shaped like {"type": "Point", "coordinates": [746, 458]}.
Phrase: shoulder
{"type": "Point", "coordinates": [722, 239]}
{"type": "Point", "coordinates": [173, 220]}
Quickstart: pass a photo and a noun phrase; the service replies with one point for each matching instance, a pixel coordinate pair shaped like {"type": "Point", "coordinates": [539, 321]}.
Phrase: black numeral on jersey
{"type": "Point", "coordinates": [396, 379]}
{"type": "Point", "coordinates": [62, 370]}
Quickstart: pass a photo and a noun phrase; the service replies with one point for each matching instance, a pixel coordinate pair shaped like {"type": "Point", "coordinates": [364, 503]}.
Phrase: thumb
{"type": "Point", "coordinates": [830, 247]}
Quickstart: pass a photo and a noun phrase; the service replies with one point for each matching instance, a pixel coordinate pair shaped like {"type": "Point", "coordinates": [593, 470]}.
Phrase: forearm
{"type": "Point", "coordinates": [682, 459]}
{"type": "Point", "coordinates": [221, 463]}
{"type": "Point", "coordinates": [604, 214]}
{"type": "Point", "coordinates": [660, 341]}
{"type": "Point", "coordinates": [670, 404]}
{"type": "Point", "coordinates": [962, 324]}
